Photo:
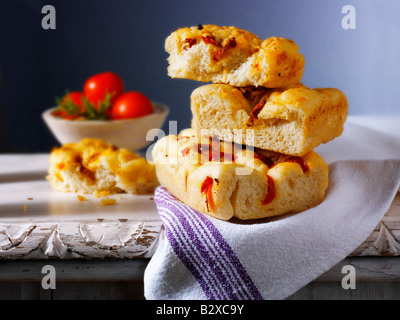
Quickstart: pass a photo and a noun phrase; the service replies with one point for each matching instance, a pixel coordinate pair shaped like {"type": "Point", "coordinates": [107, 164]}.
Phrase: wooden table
{"type": "Point", "coordinates": [98, 251]}
{"type": "Point", "coordinates": [102, 252]}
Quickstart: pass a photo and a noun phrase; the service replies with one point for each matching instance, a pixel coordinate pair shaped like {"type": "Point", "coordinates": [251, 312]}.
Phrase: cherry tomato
{"type": "Point", "coordinates": [131, 105]}
{"type": "Point", "coordinates": [64, 115]}
{"type": "Point", "coordinates": [75, 97]}
{"type": "Point", "coordinates": [97, 86]}
{"type": "Point", "coordinates": [58, 113]}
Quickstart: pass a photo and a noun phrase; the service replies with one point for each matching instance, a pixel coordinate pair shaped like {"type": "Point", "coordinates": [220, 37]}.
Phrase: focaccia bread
{"type": "Point", "coordinates": [233, 56]}
{"type": "Point", "coordinates": [226, 180]}
{"type": "Point", "coordinates": [93, 165]}
{"type": "Point", "coordinates": [292, 121]}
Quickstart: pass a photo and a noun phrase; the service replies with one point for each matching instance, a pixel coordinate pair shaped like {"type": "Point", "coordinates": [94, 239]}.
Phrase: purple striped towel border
{"type": "Point", "coordinates": [203, 250]}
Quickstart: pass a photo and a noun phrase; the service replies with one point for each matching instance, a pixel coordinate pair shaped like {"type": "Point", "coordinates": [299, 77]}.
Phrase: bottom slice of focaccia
{"type": "Point", "coordinates": [226, 180]}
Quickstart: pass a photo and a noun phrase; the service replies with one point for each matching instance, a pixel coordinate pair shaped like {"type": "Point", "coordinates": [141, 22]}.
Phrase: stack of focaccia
{"type": "Point", "coordinates": [249, 153]}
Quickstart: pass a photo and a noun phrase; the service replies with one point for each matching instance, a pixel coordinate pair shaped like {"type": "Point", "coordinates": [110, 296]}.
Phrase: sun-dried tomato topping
{"type": "Point", "coordinates": [221, 50]}
{"type": "Point", "coordinates": [273, 159]}
{"type": "Point", "coordinates": [231, 44]}
{"type": "Point", "coordinates": [206, 188]}
{"type": "Point", "coordinates": [213, 151]}
{"type": "Point", "coordinates": [256, 110]}
{"type": "Point", "coordinates": [217, 55]}
{"type": "Point", "coordinates": [210, 40]}
{"type": "Point", "coordinates": [185, 151]}
{"type": "Point", "coordinates": [181, 137]}
{"type": "Point", "coordinates": [268, 161]}
{"type": "Point", "coordinates": [224, 156]}
{"type": "Point", "coordinates": [300, 161]}
{"type": "Point", "coordinates": [271, 191]}
{"type": "Point", "coordinates": [190, 43]}
{"type": "Point", "coordinates": [206, 184]}
{"type": "Point", "coordinates": [202, 148]}
{"type": "Point", "coordinates": [60, 166]}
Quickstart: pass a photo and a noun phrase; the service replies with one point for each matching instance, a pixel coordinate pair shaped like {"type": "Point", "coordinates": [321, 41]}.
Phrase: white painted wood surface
{"type": "Point", "coordinates": [58, 225]}
{"type": "Point", "coordinates": [37, 222]}
{"type": "Point", "coordinates": [385, 239]}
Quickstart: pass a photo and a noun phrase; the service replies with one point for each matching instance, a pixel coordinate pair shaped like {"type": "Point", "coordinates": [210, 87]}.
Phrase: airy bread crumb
{"type": "Point", "coordinates": [233, 56]}
{"type": "Point", "coordinates": [293, 121]}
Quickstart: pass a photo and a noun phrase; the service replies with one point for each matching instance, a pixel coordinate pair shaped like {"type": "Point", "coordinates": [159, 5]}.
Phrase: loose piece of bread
{"type": "Point", "coordinates": [94, 166]}
{"type": "Point", "coordinates": [233, 56]}
{"type": "Point", "coordinates": [292, 121]}
{"type": "Point", "coordinates": [225, 180]}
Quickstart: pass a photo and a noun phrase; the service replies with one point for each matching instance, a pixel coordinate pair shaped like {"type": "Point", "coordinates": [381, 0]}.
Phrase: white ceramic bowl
{"type": "Point", "coordinates": [129, 134]}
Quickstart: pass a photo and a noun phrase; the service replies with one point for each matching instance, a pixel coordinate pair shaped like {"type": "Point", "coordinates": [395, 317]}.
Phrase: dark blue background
{"type": "Point", "coordinates": [127, 37]}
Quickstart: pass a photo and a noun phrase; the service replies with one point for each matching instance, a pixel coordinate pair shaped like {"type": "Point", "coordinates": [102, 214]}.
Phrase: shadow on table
{"type": "Point", "coordinates": [22, 176]}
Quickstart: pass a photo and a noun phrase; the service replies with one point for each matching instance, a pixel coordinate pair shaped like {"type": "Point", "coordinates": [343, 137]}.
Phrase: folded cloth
{"type": "Point", "coordinates": [205, 258]}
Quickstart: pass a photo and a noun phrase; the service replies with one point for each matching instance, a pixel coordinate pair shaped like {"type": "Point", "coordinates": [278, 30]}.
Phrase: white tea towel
{"type": "Point", "coordinates": [206, 258]}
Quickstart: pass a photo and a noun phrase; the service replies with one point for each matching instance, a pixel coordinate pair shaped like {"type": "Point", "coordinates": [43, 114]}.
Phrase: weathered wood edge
{"type": "Point", "coordinates": [82, 239]}
{"type": "Point", "coordinates": [385, 238]}
{"type": "Point", "coordinates": [131, 239]}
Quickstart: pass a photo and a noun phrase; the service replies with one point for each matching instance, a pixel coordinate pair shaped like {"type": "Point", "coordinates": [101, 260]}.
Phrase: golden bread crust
{"type": "Point", "coordinates": [292, 121]}
{"type": "Point", "coordinates": [234, 182]}
{"type": "Point", "coordinates": [233, 56]}
{"type": "Point", "coordinates": [93, 165]}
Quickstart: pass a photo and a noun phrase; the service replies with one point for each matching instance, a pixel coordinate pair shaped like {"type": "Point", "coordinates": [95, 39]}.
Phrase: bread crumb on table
{"type": "Point", "coordinates": [81, 198]}
{"type": "Point", "coordinates": [108, 202]}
